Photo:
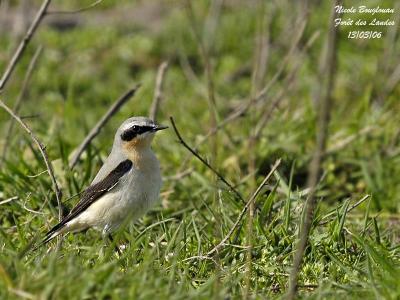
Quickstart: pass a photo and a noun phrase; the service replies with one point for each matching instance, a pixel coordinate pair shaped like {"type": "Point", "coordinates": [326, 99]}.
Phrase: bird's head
{"type": "Point", "coordinates": [137, 133]}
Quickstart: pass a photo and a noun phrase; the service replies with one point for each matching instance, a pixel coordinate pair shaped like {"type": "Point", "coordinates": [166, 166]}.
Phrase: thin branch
{"type": "Point", "coordinates": [324, 101]}
{"type": "Point", "coordinates": [61, 12]}
{"type": "Point", "coordinates": [22, 46]}
{"type": "Point", "coordinates": [8, 200]}
{"type": "Point", "coordinates": [220, 177]}
{"type": "Point", "coordinates": [243, 212]}
{"type": "Point", "coordinates": [36, 175]}
{"type": "Point", "coordinates": [43, 152]}
{"type": "Point", "coordinates": [100, 124]}
{"type": "Point", "coordinates": [155, 105]}
{"type": "Point", "coordinates": [17, 104]}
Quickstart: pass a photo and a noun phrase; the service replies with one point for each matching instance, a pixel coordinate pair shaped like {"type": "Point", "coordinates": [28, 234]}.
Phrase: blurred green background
{"type": "Point", "coordinates": [91, 58]}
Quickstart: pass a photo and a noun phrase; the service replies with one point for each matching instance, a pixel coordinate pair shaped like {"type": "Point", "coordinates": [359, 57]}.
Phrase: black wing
{"type": "Point", "coordinates": [94, 192]}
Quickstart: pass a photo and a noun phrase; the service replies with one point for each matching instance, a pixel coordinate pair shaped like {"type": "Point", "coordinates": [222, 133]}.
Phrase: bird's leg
{"type": "Point", "coordinates": [115, 246]}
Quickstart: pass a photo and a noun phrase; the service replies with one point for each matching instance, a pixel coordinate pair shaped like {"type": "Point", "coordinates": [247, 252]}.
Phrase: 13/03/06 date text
{"type": "Point", "coordinates": [364, 35]}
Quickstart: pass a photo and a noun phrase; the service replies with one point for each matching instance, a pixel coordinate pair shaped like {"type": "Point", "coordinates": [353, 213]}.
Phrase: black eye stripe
{"type": "Point", "coordinates": [142, 129]}
{"type": "Point", "coordinates": [132, 132]}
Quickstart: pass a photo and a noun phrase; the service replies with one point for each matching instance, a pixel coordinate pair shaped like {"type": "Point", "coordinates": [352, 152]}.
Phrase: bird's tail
{"type": "Point", "coordinates": [54, 232]}
{"type": "Point", "coordinates": [49, 237]}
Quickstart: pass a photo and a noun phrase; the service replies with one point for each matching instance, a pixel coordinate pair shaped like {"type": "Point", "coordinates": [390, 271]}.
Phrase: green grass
{"type": "Point", "coordinates": [83, 70]}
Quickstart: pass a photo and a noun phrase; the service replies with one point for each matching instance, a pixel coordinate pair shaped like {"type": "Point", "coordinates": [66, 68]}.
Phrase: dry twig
{"type": "Point", "coordinates": [43, 152]}
{"type": "Point", "coordinates": [22, 46]}
{"type": "Point", "coordinates": [64, 12]}
{"type": "Point", "coordinates": [220, 177]}
{"type": "Point", "coordinates": [324, 100]}
{"type": "Point", "coordinates": [155, 105]}
{"type": "Point", "coordinates": [243, 212]}
{"type": "Point", "coordinates": [100, 124]}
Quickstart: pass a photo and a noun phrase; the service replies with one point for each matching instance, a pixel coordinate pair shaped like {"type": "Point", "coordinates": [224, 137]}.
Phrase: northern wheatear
{"type": "Point", "coordinates": [127, 185]}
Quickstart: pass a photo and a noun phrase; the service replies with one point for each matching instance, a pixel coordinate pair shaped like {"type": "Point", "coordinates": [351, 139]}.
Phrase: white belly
{"type": "Point", "coordinates": [129, 200]}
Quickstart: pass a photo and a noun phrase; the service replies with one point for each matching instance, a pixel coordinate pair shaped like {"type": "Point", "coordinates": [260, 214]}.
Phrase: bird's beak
{"type": "Point", "coordinates": [159, 127]}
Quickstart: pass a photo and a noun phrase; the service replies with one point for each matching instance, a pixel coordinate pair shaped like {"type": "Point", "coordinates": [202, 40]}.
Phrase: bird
{"type": "Point", "coordinates": [125, 188]}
